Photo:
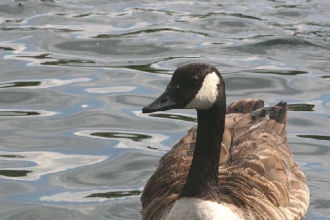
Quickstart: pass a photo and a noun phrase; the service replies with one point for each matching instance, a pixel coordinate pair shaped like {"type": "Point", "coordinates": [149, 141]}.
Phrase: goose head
{"type": "Point", "coordinates": [193, 86]}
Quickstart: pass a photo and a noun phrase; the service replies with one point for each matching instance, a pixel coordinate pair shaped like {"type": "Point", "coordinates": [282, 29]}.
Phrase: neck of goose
{"type": "Point", "coordinates": [202, 179]}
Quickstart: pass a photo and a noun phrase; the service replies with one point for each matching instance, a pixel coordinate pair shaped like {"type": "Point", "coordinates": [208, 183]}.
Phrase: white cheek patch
{"type": "Point", "coordinates": [207, 95]}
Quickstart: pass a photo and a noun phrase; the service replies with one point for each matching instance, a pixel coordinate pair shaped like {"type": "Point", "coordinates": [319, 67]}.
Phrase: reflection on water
{"type": "Point", "coordinates": [117, 194]}
{"type": "Point", "coordinates": [12, 156]}
{"type": "Point", "coordinates": [10, 112]}
{"type": "Point", "coordinates": [128, 140]}
{"type": "Point", "coordinates": [14, 173]}
{"type": "Point", "coordinates": [6, 48]}
{"type": "Point", "coordinates": [133, 137]}
{"type": "Point", "coordinates": [19, 84]}
{"type": "Point", "coordinates": [301, 107]}
{"type": "Point", "coordinates": [67, 62]}
{"type": "Point", "coordinates": [46, 83]}
{"type": "Point", "coordinates": [173, 116]}
{"type": "Point", "coordinates": [279, 72]}
{"type": "Point", "coordinates": [75, 75]}
{"type": "Point", "coordinates": [113, 89]}
{"type": "Point", "coordinates": [45, 163]}
{"type": "Point", "coordinates": [317, 137]}
{"type": "Point", "coordinates": [90, 196]}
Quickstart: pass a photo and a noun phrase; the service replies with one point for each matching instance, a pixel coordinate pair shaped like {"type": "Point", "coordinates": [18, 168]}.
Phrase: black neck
{"type": "Point", "coordinates": [202, 180]}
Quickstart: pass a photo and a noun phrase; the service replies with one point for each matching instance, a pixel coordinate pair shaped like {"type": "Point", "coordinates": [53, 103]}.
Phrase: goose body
{"type": "Point", "coordinates": [235, 164]}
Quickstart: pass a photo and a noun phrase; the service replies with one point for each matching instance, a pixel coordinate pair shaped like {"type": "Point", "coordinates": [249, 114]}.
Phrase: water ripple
{"type": "Point", "coordinates": [42, 84]}
{"type": "Point", "coordinates": [114, 89]}
{"type": "Point", "coordinates": [90, 196]}
{"type": "Point", "coordinates": [45, 163]}
{"type": "Point", "coordinates": [128, 140]}
{"type": "Point", "coordinates": [26, 113]}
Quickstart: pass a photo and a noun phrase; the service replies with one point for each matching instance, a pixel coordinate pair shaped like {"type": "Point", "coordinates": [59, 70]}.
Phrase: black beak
{"type": "Point", "coordinates": [168, 100]}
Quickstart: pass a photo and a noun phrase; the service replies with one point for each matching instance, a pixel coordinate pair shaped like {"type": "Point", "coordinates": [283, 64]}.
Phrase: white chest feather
{"type": "Point", "coordinates": [197, 209]}
{"type": "Point", "coordinates": [207, 94]}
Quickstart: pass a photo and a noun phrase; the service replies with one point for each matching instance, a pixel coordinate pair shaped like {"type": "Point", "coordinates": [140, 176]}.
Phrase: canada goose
{"type": "Point", "coordinates": [236, 164]}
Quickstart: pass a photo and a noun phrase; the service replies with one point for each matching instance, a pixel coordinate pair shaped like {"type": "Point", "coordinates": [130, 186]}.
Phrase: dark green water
{"type": "Point", "coordinates": [74, 75]}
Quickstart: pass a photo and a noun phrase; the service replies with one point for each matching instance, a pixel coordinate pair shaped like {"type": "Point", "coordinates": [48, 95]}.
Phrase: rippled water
{"type": "Point", "coordinates": [75, 74]}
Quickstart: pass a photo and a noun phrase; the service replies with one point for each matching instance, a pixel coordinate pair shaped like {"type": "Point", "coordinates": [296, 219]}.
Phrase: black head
{"type": "Point", "coordinates": [193, 86]}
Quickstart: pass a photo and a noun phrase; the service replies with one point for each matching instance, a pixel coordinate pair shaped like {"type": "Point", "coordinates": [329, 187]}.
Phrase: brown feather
{"type": "Point", "coordinates": [257, 172]}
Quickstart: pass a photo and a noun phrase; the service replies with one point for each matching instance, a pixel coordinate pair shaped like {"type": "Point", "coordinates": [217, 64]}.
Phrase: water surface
{"type": "Point", "coordinates": [75, 74]}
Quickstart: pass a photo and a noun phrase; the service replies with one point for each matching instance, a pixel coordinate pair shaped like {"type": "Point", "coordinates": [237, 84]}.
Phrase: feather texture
{"type": "Point", "coordinates": [258, 176]}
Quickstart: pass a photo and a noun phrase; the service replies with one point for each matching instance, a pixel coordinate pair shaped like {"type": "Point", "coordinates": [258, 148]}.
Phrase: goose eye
{"type": "Point", "coordinates": [189, 83]}
{"type": "Point", "coordinates": [194, 81]}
